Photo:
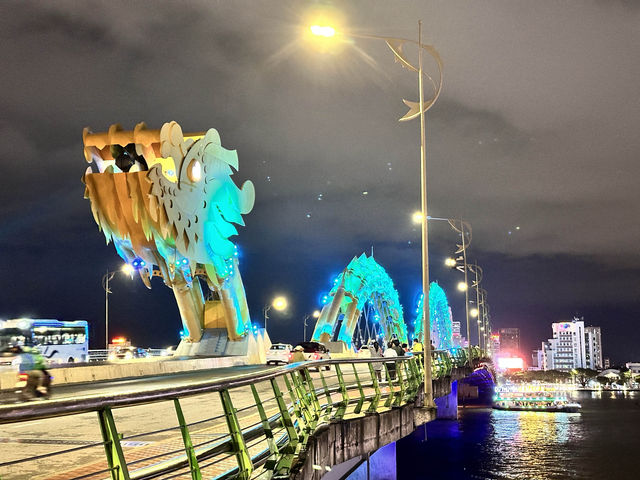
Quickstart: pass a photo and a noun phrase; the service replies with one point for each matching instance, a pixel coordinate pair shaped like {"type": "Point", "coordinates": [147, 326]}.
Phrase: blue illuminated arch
{"type": "Point", "coordinates": [440, 316]}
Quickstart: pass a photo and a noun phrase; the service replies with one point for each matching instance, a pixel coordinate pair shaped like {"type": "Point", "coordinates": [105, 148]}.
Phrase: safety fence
{"type": "Point", "coordinates": [248, 426]}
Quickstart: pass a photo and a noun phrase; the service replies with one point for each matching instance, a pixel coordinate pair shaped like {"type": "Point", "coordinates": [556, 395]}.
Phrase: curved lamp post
{"type": "Point", "coordinates": [477, 271]}
{"type": "Point", "coordinates": [106, 278]}
{"type": "Point", "coordinates": [416, 109]}
{"type": "Point", "coordinates": [315, 314]}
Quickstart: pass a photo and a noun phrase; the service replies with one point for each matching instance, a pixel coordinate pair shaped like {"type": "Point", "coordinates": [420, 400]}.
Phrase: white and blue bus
{"type": "Point", "coordinates": [59, 342]}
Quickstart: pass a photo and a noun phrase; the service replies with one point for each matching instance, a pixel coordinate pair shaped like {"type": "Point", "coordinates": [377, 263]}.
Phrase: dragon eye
{"type": "Point", "coordinates": [194, 171]}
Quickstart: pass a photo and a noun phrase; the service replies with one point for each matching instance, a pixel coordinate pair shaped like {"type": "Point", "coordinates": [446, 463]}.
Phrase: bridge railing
{"type": "Point", "coordinates": [249, 426]}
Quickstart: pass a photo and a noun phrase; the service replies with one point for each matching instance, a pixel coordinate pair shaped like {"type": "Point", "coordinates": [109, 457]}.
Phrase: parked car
{"type": "Point", "coordinates": [314, 351]}
{"type": "Point", "coordinates": [279, 353]}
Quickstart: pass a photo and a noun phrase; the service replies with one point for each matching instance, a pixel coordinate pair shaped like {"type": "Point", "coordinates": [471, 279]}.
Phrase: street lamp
{"type": "Point", "coordinates": [106, 278]}
{"type": "Point", "coordinates": [451, 262]}
{"type": "Point", "coordinates": [475, 269]}
{"type": "Point", "coordinates": [416, 109]}
{"type": "Point", "coordinates": [486, 320]}
{"type": "Point", "coordinates": [279, 303]}
{"type": "Point", "coordinates": [315, 314]}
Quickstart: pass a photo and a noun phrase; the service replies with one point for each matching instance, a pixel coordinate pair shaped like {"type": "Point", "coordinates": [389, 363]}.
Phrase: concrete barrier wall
{"type": "Point", "coordinates": [110, 371]}
{"type": "Point", "coordinates": [339, 441]}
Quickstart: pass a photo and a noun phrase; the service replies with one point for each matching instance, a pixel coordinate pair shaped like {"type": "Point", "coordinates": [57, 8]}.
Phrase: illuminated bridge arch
{"type": "Point", "coordinates": [440, 316]}
{"type": "Point", "coordinates": [363, 286]}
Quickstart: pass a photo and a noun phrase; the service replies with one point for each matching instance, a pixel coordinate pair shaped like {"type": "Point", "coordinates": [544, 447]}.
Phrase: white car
{"type": "Point", "coordinates": [364, 351]}
{"type": "Point", "coordinates": [279, 353]}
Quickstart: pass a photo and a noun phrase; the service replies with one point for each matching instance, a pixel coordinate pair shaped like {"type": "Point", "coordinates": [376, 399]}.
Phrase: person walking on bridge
{"type": "Point", "coordinates": [391, 366]}
{"type": "Point", "coordinates": [298, 355]}
{"type": "Point", "coordinates": [399, 350]}
{"type": "Point", "coordinates": [376, 352]}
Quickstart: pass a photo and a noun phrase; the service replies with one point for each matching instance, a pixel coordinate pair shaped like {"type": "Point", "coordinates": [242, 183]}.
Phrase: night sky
{"type": "Point", "coordinates": [537, 128]}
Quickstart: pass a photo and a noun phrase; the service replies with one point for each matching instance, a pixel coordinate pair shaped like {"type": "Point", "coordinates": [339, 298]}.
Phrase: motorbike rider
{"type": "Point", "coordinates": [31, 362]}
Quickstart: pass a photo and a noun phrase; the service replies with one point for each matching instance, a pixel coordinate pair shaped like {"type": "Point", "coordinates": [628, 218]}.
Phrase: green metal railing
{"type": "Point", "coordinates": [250, 426]}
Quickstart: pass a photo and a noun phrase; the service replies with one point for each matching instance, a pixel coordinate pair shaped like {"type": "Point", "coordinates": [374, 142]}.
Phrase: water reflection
{"type": "Point", "coordinates": [525, 444]}
{"type": "Point", "coordinates": [600, 442]}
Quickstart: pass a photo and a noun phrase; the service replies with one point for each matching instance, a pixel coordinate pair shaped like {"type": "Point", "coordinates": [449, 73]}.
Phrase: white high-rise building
{"type": "Point", "coordinates": [566, 350]}
{"type": "Point", "coordinates": [548, 354]}
{"type": "Point", "coordinates": [593, 348]}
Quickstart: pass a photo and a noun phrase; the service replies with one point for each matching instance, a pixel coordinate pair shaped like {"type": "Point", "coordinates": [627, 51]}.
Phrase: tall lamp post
{"type": "Point", "coordinates": [315, 314]}
{"type": "Point", "coordinates": [486, 322]}
{"type": "Point", "coordinates": [464, 229]}
{"type": "Point", "coordinates": [106, 278]}
{"type": "Point", "coordinates": [416, 109]}
{"type": "Point", "coordinates": [477, 271]}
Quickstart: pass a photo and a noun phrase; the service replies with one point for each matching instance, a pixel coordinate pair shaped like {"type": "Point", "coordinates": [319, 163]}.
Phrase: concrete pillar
{"type": "Point", "coordinates": [230, 304]}
{"type": "Point", "coordinates": [241, 297]}
{"type": "Point", "coordinates": [328, 317]}
{"type": "Point", "coordinates": [349, 322]}
{"type": "Point", "coordinates": [191, 306]}
{"type": "Point", "coordinates": [448, 405]}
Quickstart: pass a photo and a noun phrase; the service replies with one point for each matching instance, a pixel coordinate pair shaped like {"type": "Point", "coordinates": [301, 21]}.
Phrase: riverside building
{"type": "Point", "coordinates": [573, 346]}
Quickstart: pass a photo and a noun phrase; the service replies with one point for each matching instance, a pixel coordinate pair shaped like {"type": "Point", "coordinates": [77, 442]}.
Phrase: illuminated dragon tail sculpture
{"type": "Point", "coordinates": [363, 281]}
{"type": "Point", "coordinates": [440, 316]}
{"type": "Point", "coordinates": [168, 203]}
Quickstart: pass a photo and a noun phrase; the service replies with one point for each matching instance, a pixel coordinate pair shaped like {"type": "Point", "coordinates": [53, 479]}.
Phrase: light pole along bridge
{"type": "Point", "coordinates": [283, 422]}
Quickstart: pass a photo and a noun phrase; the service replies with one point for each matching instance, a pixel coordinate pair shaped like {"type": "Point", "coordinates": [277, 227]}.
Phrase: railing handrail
{"type": "Point", "coordinates": [286, 417]}
{"type": "Point", "coordinates": [58, 408]}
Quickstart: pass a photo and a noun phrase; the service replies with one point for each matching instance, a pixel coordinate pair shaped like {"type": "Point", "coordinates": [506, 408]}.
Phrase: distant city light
{"type": "Point", "coordinates": [510, 363]}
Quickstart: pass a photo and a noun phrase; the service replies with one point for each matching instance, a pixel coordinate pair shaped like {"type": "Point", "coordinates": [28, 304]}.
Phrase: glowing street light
{"type": "Point", "coordinates": [474, 312]}
{"type": "Point", "coordinates": [323, 30]}
{"type": "Point", "coordinates": [417, 109]}
{"type": "Point", "coordinates": [127, 269]}
{"type": "Point", "coordinates": [279, 303]}
{"type": "Point", "coordinates": [462, 286]}
{"type": "Point", "coordinates": [417, 217]}
{"type": "Point", "coordinates": [451, 262]}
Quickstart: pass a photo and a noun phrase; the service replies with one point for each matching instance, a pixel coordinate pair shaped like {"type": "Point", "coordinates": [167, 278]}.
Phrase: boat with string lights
{"type": "Point", "coordinates": [534, 398]}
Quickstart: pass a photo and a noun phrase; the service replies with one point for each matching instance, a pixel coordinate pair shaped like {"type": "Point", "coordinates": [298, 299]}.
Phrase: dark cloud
{"type": "Point", "coordinates": [536, 128]}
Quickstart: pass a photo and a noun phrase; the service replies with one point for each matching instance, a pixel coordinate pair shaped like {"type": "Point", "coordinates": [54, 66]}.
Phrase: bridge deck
{"type": "Point", "coordinates": [151, 434]}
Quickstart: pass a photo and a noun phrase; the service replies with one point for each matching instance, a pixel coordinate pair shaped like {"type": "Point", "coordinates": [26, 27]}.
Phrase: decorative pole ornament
{"type": "Point", "coordinates": [396, 44]}
{"type": "Point", "coordinates": [167, 201]}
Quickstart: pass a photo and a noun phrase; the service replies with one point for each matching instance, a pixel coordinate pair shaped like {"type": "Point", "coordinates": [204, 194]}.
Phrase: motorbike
{"type": "Point", "coordinates": [34, 384]}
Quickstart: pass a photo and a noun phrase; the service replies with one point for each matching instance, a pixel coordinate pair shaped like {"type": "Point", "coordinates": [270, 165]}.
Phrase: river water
{"type": "Point", "coordinates": [600, 442]}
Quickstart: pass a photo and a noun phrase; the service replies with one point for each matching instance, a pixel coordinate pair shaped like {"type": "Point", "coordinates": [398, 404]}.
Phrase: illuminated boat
{"type": "Point", "coordinates": [532, 399]}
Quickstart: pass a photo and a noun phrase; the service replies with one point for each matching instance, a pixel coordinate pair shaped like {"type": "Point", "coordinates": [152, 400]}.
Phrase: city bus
{"type": "Point", "coordinates": [58, 341]}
